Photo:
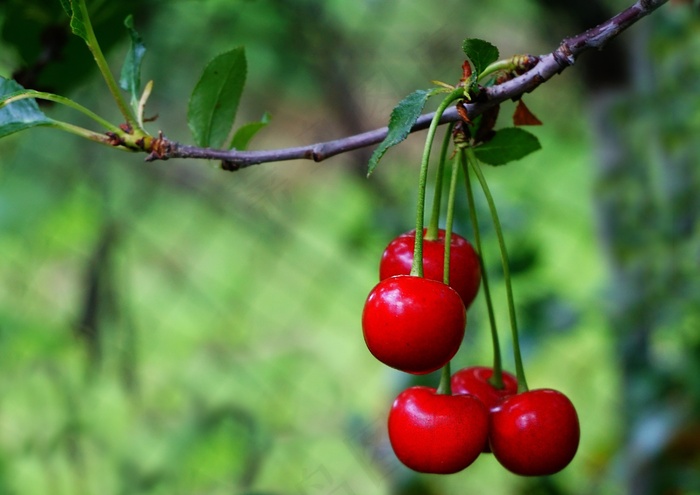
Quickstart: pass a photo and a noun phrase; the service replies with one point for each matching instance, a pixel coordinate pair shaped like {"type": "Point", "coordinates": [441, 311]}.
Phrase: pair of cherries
{"type": "Point", "coordinates": [534, 433]}
{"type": "Point", "coordinates": [416, 325]}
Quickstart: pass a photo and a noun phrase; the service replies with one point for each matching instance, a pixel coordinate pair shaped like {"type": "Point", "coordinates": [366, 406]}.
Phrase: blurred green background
{"type": "Point", "coordinates": [171, 328]}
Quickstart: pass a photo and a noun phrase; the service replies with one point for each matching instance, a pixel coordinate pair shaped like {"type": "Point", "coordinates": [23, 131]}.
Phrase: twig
{"type": "Point", "coordinates": [548, 66]}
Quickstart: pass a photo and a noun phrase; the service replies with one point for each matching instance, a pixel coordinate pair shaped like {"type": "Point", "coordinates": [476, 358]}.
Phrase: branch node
{"type": "Point", "coordinates": [563, 56]}
{"type": "Point", "coordinates": [316, 154]}
{"type": "Point", "coordinates": [160, 148]}
{"type": "Point", "coordinates": [115, 139]}
{"type": "Point", "coordinates": [230, 165]}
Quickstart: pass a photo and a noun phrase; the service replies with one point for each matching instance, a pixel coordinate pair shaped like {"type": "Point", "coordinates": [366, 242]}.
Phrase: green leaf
{"type": "Point", "coordinates": [19, 115]}
{"type": "Point", "coordinates": [509, 144]}
{"type": "Point", "coordinates": [246, 132]}
{"type": "Point", "coordinates": [214, 101]}
{"type": "Point", "coordinates": [66, 6]}
{"type": "Point", "coordinates": [402, 119]}
{"type": "Point", "coordinates": [480, 53]}
{"type": "Point", "coordinates": [77, 20]}
{"type": "Point", "coordinates": [130, 79]}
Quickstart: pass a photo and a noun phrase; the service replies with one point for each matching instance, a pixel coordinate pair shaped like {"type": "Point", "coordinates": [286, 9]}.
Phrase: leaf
{"type": "Point", "coordinates": [523, 115]}
{"type": "Point", "coordinates": [507, 145]}
{"type": "Point", "coordinates": [214, 101]}
{"type": "Point", "coordinates": [130, 79]}
{"type": "Point", "coordinates": [480, 53]}
{"type": "Point", "coordinates": [77, 20]}
{"type": "Point", "coordinates": [402, 119]}
{"type": "Point", "coordinates": [66, 6]}
{"type": "Point", "coordinates": [246, 132]}
{"type": "Point", "coordinates": [19, 115]}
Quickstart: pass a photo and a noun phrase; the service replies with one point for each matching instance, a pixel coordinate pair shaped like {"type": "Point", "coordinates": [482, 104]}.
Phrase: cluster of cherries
{"type": "Point", "coordinates": [416, 324]}
{"type": "Point", "coordinates": [414, 319]}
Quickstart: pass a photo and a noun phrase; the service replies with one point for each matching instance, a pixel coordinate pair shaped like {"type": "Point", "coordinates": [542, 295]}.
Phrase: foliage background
{"type": "Point", "coordinates": [173, 328]}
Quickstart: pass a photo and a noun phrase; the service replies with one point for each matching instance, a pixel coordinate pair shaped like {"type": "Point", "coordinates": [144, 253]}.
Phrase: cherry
{"type": "Point", "coordinates": [535, 433]}
{"type": "Point", "coordinates": [413, 324]}
{"type": "Point", "coordinates": [437, 433]}
{"type": "Point", "coordinates": [465, 271]}
{"type": "Point", "coordinates": [475, 381]}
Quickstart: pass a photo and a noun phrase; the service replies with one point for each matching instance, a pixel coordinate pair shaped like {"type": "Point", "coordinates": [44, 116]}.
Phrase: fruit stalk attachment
{"type": "Point", "coordinates": [434, 225]}
{"type": "Point", "coordinates": [417, 267]}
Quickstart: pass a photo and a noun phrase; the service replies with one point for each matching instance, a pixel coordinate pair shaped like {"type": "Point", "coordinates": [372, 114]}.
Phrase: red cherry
{"type": "Point", "coordinates": [437, 433]}
{"type": "Point", "coordinates": [413, 324]}
{"type": "Point", "coordinates": [465, 271]}
{"type": "Point", "coordinates": [535, 433]}
{"type": "Point", "coordinates": [475, 381]}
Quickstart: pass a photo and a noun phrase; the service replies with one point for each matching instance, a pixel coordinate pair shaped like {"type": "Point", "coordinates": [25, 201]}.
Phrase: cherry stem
{"type": "Point", "coordinates": [417, 266]}
{"type": "Point", "coordinates": [450, 219]}
{"type": "Point", "coordinates": [519, 370]}
{"type": "Point", "coordinates": [445, 387]}
{"type": "Point", "coordinates": [433, 231]}
{"type": "Point", "coordinates": [446, 379]}
{"type": "Point", "coordinates": [497, 376]}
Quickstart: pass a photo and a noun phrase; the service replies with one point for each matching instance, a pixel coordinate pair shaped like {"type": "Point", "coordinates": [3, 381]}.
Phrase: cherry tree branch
{"type": "Point", "coordinates": [547, 67]}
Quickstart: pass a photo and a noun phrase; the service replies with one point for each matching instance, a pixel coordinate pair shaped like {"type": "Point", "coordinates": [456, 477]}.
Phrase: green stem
{"type": "Point", "coordinates": [434, 226]}
{"type": "Point", "coordinates": [84, 133]}
{"type": "Point", "coordinates": [99, 57]}
{"type": "Point", "coordinates": [26, 94]}
{"type": "Point", "coordinates": [497, 377]}
{"type": "Point", "coordinates": [446, 379]}
{"type": "Point", "coordinates": [499, 65]}
{"type": "Point", "coordinates": [445, 387]}
{"type": "Point", "coordinates": [450, 219]}
{"type": "Point", "coordinates": [417, 267]}
{"type": "Point", "coordinates": [519, 370]}
{"type": "Point", "coordinates": [511, 65]}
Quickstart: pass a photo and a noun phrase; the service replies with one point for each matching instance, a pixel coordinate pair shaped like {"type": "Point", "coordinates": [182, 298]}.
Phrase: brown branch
{"type": "Point", "coordinates": [548, 66]}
